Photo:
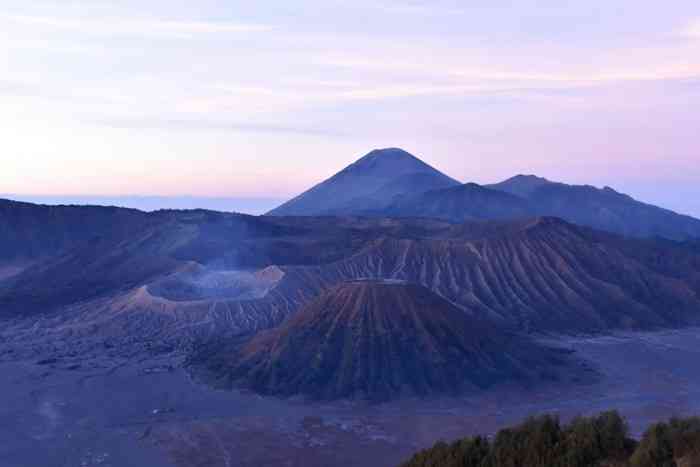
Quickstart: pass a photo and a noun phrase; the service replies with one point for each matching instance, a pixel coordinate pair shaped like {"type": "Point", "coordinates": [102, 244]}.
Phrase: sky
{"type": "Point", "coordinates": [216, 100]}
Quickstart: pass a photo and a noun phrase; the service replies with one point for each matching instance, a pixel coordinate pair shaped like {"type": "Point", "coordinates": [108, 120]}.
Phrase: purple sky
{"type": "Point", "coordinates": [257, 100]}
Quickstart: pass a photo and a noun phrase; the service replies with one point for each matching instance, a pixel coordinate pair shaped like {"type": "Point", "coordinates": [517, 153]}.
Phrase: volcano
{"type": "Point", "coordinates": [380, 339]}
{"type": "Point", "coordinates": [368, 184]}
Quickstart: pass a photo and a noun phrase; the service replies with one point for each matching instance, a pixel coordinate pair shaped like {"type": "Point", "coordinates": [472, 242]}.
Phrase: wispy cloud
{"type": "Point", "coordinates": [416, 8]}
{"type": "Point", "coordinates": [467, 78]}
{"type": "Point", "coordinates": [209, 125]}
{"type": "Point", "coordinates": [135, 26]}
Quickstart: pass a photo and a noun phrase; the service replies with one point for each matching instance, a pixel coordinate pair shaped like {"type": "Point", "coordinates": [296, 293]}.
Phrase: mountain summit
{"type": "Point", "coordinates": [370, 183]}
{"type": "Point", "coordinates": [521, 185]}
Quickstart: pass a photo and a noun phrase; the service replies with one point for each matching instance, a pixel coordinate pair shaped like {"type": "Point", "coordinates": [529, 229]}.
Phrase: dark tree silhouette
{"type": "Point", "coordinates": [600, 441]}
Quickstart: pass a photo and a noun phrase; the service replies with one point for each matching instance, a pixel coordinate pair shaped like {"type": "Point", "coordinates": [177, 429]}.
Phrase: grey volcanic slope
{"type": "Point", "coordinates": [603, 209]}
{"type": "Point", "coordinates": [375, 339]}
{"type": "Point", "coordinates": [537, 275]}
{"type": "Point", "coordinates": [371, 182]}
{"type": "Point", "coordinates": [168, 242]}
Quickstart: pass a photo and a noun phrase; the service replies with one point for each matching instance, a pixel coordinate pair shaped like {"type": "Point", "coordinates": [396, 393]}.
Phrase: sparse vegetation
{"type": "Point", "coordinates": [601, 441]}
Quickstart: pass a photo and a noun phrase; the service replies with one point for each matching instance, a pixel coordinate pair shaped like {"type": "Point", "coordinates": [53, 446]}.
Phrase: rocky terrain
{"type": "Point", "coordinates": [123, 407]}
{"type": "Point", "coordinates": [188, 276]}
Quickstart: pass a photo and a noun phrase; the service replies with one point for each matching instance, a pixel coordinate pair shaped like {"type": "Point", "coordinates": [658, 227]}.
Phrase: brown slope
{"type": "Point", "coordinates": [538, 275]}
{"type": "Point", "coordinates": [373, 339]}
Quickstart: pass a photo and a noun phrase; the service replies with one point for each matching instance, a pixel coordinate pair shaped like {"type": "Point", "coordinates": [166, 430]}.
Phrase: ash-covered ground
{"type": "Point", "coordinates": [115, 409]}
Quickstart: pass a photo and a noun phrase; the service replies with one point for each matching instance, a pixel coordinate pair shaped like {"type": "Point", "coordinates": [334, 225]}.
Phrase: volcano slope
{"type": "Point", "coordinates": [537, 275]}
{"type": "Point", "coordinates": [99, 263]}
{"type": "Point", "coordinates": [370, 182]}
{"type": "Point", "coordinates": [377, 339]}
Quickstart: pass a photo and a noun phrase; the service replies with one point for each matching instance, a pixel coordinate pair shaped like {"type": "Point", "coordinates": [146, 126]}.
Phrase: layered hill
{"type": "Point", "coordinates": [600, 208]}
{"type": "Point", "coordinates": [377, 339]}
{"type": "Point", "coordinates": [371, 182]}
{"type": "Point", "coordinates": [459, 204]}
{"type": "Point", "coordinates": [523, 196]}
{"type": "Point", "coordinates": [166, 247]}
{"type": "Point", "coordinates": [541, 274]}
{"type": "Point", "coordinates": [536, 274]}
{"type": "Point", "coordinates": [392, 182]}
{"type": "Point", "coordinates": [32, 231]}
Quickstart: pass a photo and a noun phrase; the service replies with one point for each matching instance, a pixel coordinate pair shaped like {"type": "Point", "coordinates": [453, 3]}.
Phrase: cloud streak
{"type": "Point", "coordinates": [490, 78]}
{"type": "Point", "coordinates": [136, 26]}
{"type": "Point", "coordinates": [210, 125]}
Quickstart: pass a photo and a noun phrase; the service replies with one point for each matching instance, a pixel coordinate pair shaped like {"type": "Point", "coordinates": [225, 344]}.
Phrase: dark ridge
{"type": "Point", "coordinates": [600, 208]}
{"type": "Point", "coordinates": [460, 203]}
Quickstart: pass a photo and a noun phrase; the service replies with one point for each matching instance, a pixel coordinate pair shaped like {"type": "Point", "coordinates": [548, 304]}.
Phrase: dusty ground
{"type": "Point", "coordinates": [135, 411]}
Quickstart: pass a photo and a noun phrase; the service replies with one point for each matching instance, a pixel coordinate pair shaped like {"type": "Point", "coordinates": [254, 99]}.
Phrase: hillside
{"type": "Point", "coordinates": [392, 182]}
{"type": "Point", "coordinates": [459, 204]}
{"type": "Point", "coordinates": [378, 339]}
{"type": "Point", "coordinates": [604, 209]}
{"type": "Point", "coordinates": [33, 231]}
{"type": "Point", "coordinates": [532, 275]}
{"type": "Point", "coordinates": [540, 274]}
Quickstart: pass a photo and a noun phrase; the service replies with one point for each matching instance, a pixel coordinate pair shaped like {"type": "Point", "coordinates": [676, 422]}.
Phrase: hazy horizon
{"type": "Point", "coordinates": [680, 199]}
{"type": "Point", "coordinates": [263, 100]}
{"type": "Point", "coordinates": [249, 205]}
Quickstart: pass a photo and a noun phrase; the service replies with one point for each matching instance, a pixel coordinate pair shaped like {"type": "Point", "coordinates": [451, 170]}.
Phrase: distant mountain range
{"type": "Point", "coordinates": [247, 205]}
{"type": "Point", "coordinates": [392, 182]}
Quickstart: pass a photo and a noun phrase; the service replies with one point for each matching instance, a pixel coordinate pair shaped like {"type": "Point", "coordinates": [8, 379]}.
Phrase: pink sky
{"type": "Point", "coordinates": [263, 100]}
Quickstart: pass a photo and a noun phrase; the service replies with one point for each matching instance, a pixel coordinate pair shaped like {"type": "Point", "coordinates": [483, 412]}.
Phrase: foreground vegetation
{"type": "Point", "coordinates": [585, 442]}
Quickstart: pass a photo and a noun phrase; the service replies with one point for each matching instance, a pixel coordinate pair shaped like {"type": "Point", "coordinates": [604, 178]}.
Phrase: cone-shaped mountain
{"type": "Point", "coordinates": [378, 339]}
{"type": "Point", "coordinates": [369, 183]}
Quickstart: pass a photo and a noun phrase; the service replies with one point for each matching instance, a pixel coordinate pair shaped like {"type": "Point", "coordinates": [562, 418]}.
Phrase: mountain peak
{"type": "Point", "coordinates": [389, 152]}
{"type": "Point", "coordinates": [528, 178]}
{"type": "Point", "coordinates": [368, 183]}
{"type": "Point", "coordinates": [521, 184]}
{"type": "Point", "coordinates": [389, 160]}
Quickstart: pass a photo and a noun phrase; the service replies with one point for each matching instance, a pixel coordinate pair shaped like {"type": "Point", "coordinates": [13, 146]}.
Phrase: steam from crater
{"type": "Point", "coordinates": [208, 283]}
